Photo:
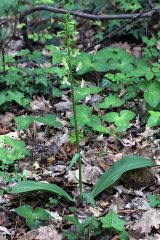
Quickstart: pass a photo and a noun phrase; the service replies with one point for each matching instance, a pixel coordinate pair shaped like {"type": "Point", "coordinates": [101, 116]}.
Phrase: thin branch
{"type": "Point", "coordinates": [85, 15]}
{"type": "Point", "coordinates": [151, 3]}
{"type": "Point", "coordinates": [23, 17]}
{"type": "Point", "coordinates": [117, 30]}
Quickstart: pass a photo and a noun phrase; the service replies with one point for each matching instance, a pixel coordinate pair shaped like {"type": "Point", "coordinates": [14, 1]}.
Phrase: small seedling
{"type": "Point", "coordinates": [84, 229]}
{"type": "Point", "coordinates": [16, 150]}
{"type": "Point", "coordinates": [113, 222]}
{"type": "Point", "coordinates": [34, 218]}
{"type": "Point", "coordinates": [23, 122]}
{"type": "Point", "coordinates": [154, 200]}
{"type": "Point", "coordinates": [121, 120]}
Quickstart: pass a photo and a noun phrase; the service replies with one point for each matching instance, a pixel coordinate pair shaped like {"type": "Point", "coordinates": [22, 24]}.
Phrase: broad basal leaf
{"type": "Point", "coordinates": [117, 169]}
{"type": "Point", "coordinates": [30, 186]}
{"type": "Point", "coordinates": [41, 214]}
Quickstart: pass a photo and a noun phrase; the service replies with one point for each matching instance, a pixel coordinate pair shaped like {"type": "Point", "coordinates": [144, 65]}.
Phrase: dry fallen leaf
{"type": "Point", "coordinates": [31, 235]}
{"type": "Point", "coordinates": [6, 118]}
{"type": "Point", "coordinates": [140, 203]}
{"type": "Point", "coordinates": [36, 165]}
{"type": "Point", "coordinates": [4, 230]}
{"type": "Point", "coordinates": [64, 106]}
{"type": "Point", "coordinates": [2, 237]}
{"type": "Point", "coordinates": [151, 218]}
{"type": "Point", "coordinates": [90, 174]}
{"type": "Point", "coordinates": [40, 103]}
{"type": "Point", "coordinates": [42, 233]}
{"type": "Point", "coordinates": [158, 45]}
{"type": "Point", "coordinates": [48, 233]}
{"type": "Point", "coordinates": [4, 129]}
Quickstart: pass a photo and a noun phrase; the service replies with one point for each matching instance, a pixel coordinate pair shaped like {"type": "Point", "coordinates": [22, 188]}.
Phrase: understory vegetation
{"type": "Point", "coordinates": [80, 119]}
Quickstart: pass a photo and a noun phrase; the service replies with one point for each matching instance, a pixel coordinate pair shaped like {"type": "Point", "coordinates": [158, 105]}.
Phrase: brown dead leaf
{"type": "Point", "coordinates": [59, 138]}
{"type": "Point", "coordinates": [147, 237]}
{"type": "Point", "coordinates": [6, 118]}
{"type": "Point", "coordinates": [158, 45]}
{"type": "Point", "coordinates": [125, 45]}
{"type": "Point", "coordinates": [151, 218]}
{"type": "Point", "coordinates": [137, 51]}
{"type": "Point", "coordinates": [39, 103]}
{"type": "Point", "coordinates": [16, 45]}
{"type": "Point", "coordinates": [42, 233]}
{"type": "Point", "coordinates": [31, 235]}
{"type": "Point", "coordinates": [64, 106]}
{"type": "Point", "coordinates": [4, 230]}
{"type": "Point", "coordinates": [50, 160]}
{"type": "Point", "coordinates": [4, 129]}
{"type": "Point", "coordinates": [2, 237]}
{"type": "Point", "coordinates": [90, 174]}
{"type": "Point", "coordinates": [2, 217]}
{"type": "Point", "coordinates": [48, 233]}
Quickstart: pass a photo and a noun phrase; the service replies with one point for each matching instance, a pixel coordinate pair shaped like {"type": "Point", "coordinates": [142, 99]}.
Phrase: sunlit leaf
{"type": "Point", "coordinates": [82, 93]}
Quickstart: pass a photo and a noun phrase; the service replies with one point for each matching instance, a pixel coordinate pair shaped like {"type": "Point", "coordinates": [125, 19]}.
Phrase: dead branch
{"type": "Point", "coordinates": [23, 17]}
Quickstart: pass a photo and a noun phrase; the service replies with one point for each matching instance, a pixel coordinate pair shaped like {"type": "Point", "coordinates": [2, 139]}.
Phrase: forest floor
{"type": "Point", "coordinates": [51, 152]}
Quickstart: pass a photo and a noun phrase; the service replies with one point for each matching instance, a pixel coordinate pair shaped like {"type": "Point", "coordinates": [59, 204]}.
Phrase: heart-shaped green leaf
{"type": "Point", "coordinates": [24, 211]}
{"type": "Point", "coordinates": [111, 101]}
{"type": "Point", "coordinates": [120, 120]}
{"type": "Point", "coordinates": [34, 218]}
{"type": "Point", "coordinates": [82, 93]}
{"type": "Point", "coordinates": [23, 122]}
{"type": "Point", "coordinates": [83, 115]}
{"type": "Point", "coordinates": [152, 95]}
{"type": "Point", "coordinates": [50, 120]}
{"type": "Point", "coordinates": [111, 220]}
{"type": "Point", "coordinates": [96, 124]}
{"type": "Point", "coordinates": [154, 119]}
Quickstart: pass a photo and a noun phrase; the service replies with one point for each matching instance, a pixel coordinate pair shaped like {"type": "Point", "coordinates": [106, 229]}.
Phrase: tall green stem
{"type": "Point", "coordinates": [71, 80]}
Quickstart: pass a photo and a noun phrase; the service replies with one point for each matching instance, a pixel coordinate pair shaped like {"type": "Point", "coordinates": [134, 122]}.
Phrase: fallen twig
{"type": "Point", "coordinates": [23, 17]}
{"type": "Point", "coordinates": [117, 30]}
